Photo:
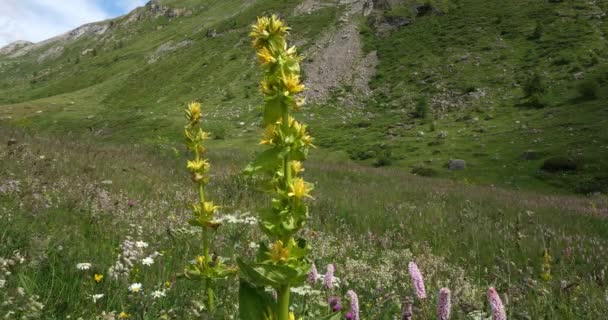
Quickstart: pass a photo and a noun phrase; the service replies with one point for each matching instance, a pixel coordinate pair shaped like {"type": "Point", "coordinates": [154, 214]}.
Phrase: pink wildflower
{"type": "Point", "coordinates": [329, 276]}
{"type": "Point", "coordinates": [444, 305]}
{"type": "Point", "coordinates": [498, 309]}
{"type": "Point", "coordinates": [354, 305]}
{"type": "Point", "coordinates": [313, 275]}
{"type": "Point", "coordinates": [417, 280]}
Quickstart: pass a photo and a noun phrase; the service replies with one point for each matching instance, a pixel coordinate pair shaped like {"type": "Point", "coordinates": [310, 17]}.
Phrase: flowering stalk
{"type": "Point", "coordinates": [288, 143]}
{"type": "Point", "coordinates": [444, 304]}
{"type": "Point", "coordinates": [498, 309]}
{"type": "Point", "coordinates": [417, 281]}
{"type": "Point", "coordinates": [203, 211]}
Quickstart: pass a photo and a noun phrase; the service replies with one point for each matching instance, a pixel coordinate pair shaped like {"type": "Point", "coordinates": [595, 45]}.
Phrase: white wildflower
{"type": "Point", "coordinates": [148, 261]}
{"type": "Point", "coordinates": [2, 283]}
{"type": "Point", "coordinates": [158, 294]}
{"type": "Point", "coordinates": [84, 266]}
{"type": "Point", "coordinates": [96, 297]}
{"type": "Point", "coordinates": [135, 287]}
{"type": "Point", "coordinates": [253, 245]}
{"type": "Point", "coordinates": [141, 244]}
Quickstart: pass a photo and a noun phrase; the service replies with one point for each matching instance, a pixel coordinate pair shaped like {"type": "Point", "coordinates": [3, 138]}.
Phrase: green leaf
{"type": "Point", "coordinates": [267, 161]}
{"type": "Point", "coordinates": [333, 316]}
{"type": "Point", "coordinates": [254, 303]}
{"type": "Point", "coordinates": [272, 110]}
{"type": "Point", "coordinates": [271, 275]}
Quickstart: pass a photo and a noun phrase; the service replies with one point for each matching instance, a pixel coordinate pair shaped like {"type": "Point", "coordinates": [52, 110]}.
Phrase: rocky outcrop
{"type": "Point", "coordinates": [14, 46]}
{"type": "Point", "coordinates": [167, 48]}
{"type": "Point", "coordinates": [155, 9]}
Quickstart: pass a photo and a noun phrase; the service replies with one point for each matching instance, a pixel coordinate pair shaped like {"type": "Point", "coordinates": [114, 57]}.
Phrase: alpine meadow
{"type": "Point", "coordinates": [308, 160]}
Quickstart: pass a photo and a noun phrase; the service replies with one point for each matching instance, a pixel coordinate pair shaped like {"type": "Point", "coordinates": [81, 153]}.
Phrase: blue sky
{"type": "Point", "coordinates": [36, 20]}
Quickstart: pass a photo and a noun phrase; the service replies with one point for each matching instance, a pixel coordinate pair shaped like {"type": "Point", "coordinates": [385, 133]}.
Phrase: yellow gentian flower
{"type": "Point", "coordinates": [197, 165]}
{"type": "Point", "coordinates": [278, 252]}
{"type": "Point", "coordinates": [299, 189]}
{"type": "Point", "coordinates": [292, 84]}
{"type": "Point", "coordinates": [123, 315]}
{"type": "Point", "coordinates": [193, 112]}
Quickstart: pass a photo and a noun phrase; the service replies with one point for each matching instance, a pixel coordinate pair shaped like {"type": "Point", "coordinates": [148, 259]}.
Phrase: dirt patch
{"type": "Point", "coordinates": [337, 59]}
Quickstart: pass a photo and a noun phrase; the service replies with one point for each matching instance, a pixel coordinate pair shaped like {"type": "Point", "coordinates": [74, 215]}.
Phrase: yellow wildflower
{"type": "Point", "coordinates": [200, 260]}
{"type": "Point", "coordinates": [292, 316]}
{"type": "Point", "coordinates": [209, 207]}
{"type": "Point", "coordinates": [193, 112]}
{"type": "Point", "coordinates": [197, 165]}
{"type": "Point", "coordinates": [268, 135]}
{"type": "Point", "coordinates": [292, 84]}
{"type": "Point", "coordinates": [296, 166]}
{"type": "Point", "coordinates": [278, 252]}
{"type": "Point", "coordinates": [98, 277]}
{"type": "Point", "coordinates": [266, 56]}
{"type": "Point", "coordinates": [299, 189]}
{"type": "Point", "coordinates": [124, 315]}
{"type": "Point", "coordinates": [265, 28]}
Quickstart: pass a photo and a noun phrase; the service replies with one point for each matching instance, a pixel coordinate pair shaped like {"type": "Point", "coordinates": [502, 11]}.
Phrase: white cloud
{"type": "Point", "coordinates": [36, 20]}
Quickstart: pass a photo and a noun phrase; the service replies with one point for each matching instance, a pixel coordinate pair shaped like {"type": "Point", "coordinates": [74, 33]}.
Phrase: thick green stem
{"type": "Point", "coordinates": [283, 303]}
{"type": "Point", "coordinates": [208, 284]}
{"type": "Point", "coordinates": [286, 161]}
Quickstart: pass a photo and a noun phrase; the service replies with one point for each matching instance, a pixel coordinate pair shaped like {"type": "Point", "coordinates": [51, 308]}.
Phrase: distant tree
{"type": "Point", "coordinates": [422, 108]}
{"type": "Point", "coordinates": [534, 85]}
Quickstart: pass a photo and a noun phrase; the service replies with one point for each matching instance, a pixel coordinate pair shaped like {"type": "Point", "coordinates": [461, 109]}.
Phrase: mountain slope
{"type": "Point", "coordinates": [369, 65]}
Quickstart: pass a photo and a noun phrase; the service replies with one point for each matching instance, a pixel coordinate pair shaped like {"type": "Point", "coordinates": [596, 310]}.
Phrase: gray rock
{"type": "Point", "coordinates": [457, 164]}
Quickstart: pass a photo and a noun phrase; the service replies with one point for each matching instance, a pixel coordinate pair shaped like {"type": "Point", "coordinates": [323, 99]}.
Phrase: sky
{"type": "Point", "coordinates": [37, 20]}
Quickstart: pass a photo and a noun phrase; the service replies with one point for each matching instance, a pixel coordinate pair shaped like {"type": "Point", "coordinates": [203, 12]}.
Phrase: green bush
{"type": "Point", "coordinates": [424, 171]}
{"type": "Point", "coordinates": [588, 89]}
{"type": "Point", "coordinates": [559, 163]}
{"type": "Point", "coordinates": [422, 108]}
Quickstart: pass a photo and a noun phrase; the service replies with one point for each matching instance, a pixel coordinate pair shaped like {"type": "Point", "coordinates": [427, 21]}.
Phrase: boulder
{"type": "Point", "coordinates": [426, 9]}
{"type": "Point", "coordinates": [457, 164]}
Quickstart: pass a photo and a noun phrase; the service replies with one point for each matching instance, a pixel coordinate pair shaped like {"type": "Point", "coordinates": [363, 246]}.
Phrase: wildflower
{"type": "Point", "coordinates": [135, 287]}
{"type": "Point", "coordinates": [292, 84]}
{"type": "Point", "coordinates": [148, 261]}
{"type": "Point", "coordinates": [546, 266]}
{"type": "Point", "coordinates": [354, 305]}
{"type": "Point", "coordinates": [313, 275]}
{"type": "Point", "coordinates": [328, 281]}
{"type": "Point", "coordinates": [84, 266]}
{"type": "Point", "coordinates": [158, 294]}
{"type": "Point", "coordinates": [296, 166]}
{"type": "Point", "coordinates": [417, 280]}
{"type": "Point", "coordinates": [2, 283]}
{"type": "Point", "coordinates": [334, 304]}
{"type": "Point", "coordinates": [96, 297]}
{"type": "Point", "coordinates": [167, 284]}
{"type": "Point", "coordinates": [444, 305]}
{"type": "Point", "coordinates": [193, 112]}
{"type": "Point", "coordinates": [197, 165]}
{"type": "Point", "coordinates": [98, 277]}
{"type": "Point", "coordinates": [141, 244]}
{"type": "Point", "coordinates": [123, 315]}
{"type": "Point", "coordinates": [299, 189]}
{"type": "Point", "coordinates": [266, 56]}
{"type": "Point", "coordinates": [253, 245]}
{"type": "Point", "coordinates": [267, 30]}
{"type": "Point", "coordinates": [279, 253]}
{"type": "Point", "coordinates": [292, 316]}
{"type": "Point", "coordinates": [406, 309]}
{"type": "Point", "coordinates": [498, 309]}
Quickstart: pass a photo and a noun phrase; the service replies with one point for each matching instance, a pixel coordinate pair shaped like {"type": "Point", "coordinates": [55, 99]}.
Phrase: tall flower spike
{"type": "Point", "coordinates": [328, 281]}
{"type": "Point", "coordinates": [498, 309]}
{"type": "Point", "coordinates": [354, 305]}
{"type": "Point", "coordinates": [417, 281]}
{"type": "Point", "coordinates": [313, 275]}
{"type": "Point", "coordinates": [444, 304]}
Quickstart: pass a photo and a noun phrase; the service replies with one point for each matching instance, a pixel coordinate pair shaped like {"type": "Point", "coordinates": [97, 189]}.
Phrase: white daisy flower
{"type": "Point", "coordinates": [158, 294]}
{"type": "Point", "coordinates": [147, 261]}
{"type": "Point", "coordinates": [84, 266]}
{"type": "Point", "coordinates": [96, 297]}
{"type": "Point", "coordinates": [141, 244]}
{"type": "Point", "coordinates": [135, 287]}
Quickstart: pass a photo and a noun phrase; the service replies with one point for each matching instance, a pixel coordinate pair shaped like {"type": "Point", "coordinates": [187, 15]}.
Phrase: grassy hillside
{"type": "Point", "coordinates": [467, 67]}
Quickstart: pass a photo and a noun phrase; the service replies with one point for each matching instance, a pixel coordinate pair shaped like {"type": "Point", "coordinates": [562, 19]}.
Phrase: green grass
{"type": "Point", "coordinates": [464, 236]}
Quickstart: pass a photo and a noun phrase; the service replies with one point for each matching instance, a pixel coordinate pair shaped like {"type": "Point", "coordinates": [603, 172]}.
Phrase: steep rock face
{"type": "Point", "coordinates": [14, 46]}
{"type": "Point", "coordinates": [155, 9]}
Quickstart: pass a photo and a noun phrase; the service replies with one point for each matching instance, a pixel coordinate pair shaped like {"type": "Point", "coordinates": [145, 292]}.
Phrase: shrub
{"type": "Point", "coordinates": [588, 89]}
{"type": "Point", "coordinates": [424, 171]}
{"type": "Point", "coordinates": [559, 163]}
{"type": "Point", "coordinates": [534, 85]}
{"type": "Point", "coordinates": [422, 108]}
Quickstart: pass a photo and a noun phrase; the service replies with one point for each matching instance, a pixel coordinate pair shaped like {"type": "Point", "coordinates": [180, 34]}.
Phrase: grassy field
{"type": "Point", "coordinates": [94, 194]}
{"type": "Point", "coordinates": [67, 201]}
